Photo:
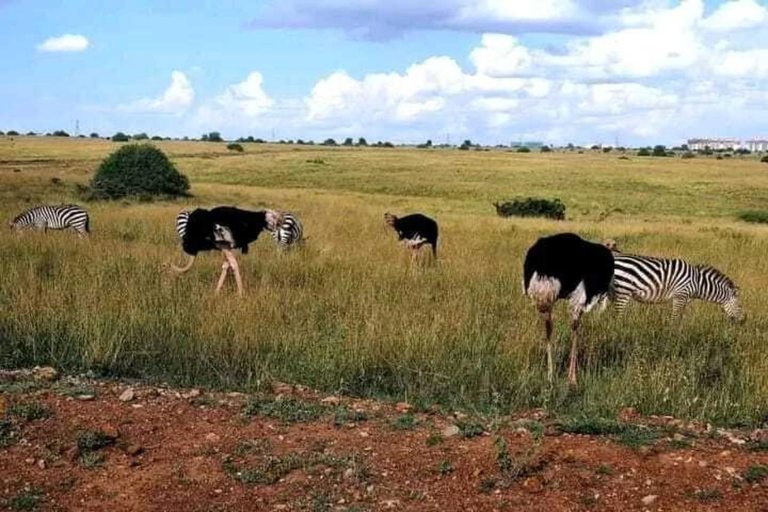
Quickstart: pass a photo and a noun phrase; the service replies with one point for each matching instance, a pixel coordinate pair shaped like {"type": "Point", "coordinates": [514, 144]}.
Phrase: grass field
{"type": "Point", "coordinates": [347, 314]}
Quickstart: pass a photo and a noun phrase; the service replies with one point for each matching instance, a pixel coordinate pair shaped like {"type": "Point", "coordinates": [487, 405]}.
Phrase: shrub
{"type": "Point", "coordinates": [212, 137]}
{"type": "Point", "coordinates": [595, 148]}
{"type": "Point", "coordinates": [607, 149]}
{"type": "Point", "coordinates": [764, 159]}
{"type": "Point", "coordinates": [60, 133]}
{"type": "Point", "coordinates": [531, 207]}
{"type": "Point", "coordinates": [659, 151]}
{"type": "Point", "coordinates": [12, 133]}
{"type": "Point", "coordinates": [329, 142]}
{"type": "Point", "coordinates": [754, 216]}
{"type": "Point", "coordinates": [348, 141]}
{"type": "Point", "coordinates": [688, 154]}
{"type": "Point", "coordinates": [644, 152]}
{"type": "Point", "coordinates": [235, 147]}
{"type": "Point", "coordinates": [139, 170]}
{"type": "Point", "coordinates": [546, 149]}
{"type": "Point", "coordinates": [94, 135]}
{"type": "Point", "coordinates": [141, 136]}
{"type": "Point", "coordinates": [31, 134]}
{"type": "Point", "coordinates": [524, 149]}
{"type": "Point", "coordinates": [466, 145]}
{"type": "Point", "coordinates": [157, 137]}
{"type": "Point", "coordinates": [362, 142]}
{"type": "Point", "coordinates": [120, 137]}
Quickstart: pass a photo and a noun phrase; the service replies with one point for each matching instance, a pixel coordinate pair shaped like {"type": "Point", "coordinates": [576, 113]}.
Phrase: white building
{"type": "Point", "coordinates": [713, 144]}
{"type": "Point", "coordinates": [756, 145]}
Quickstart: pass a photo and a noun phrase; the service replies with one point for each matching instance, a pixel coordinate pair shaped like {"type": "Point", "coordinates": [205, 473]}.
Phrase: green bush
{"type": "Point", "coordinates": [120, 137]}
{"type": "Point", "coordinates": [12, 133]}
{"type": "Point", "coordinates": [524, 149]}
{"type": "Point", "coordinates": [139, 170]}
{"type": "Point", "coordinates": [754, 216]}
{"type": "Point", "coordinates": [60, 133]}
{"type": "Point", "coordinates": [532, 207]}
{"type": "Point", "coordinates": [235, 147]}
{"type": "Point", "coordinates": [688, 154]}
{"type": "Point", "coordinates": [764, 159]}
{"type": "Point", "coordinates": [140, 136]}
{"type": "Point", "coordinates": [546, 149]}
{"type": "Point", "coordinates": [644, 152]}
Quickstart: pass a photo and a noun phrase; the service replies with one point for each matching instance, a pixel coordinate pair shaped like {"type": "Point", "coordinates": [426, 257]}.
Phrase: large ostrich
{"type": "Point", "coordinates": [224, 229]}
{"type": "Point", "coordinates": [564, 266]}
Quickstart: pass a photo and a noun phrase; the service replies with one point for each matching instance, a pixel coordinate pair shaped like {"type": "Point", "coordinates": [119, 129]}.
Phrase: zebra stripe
{"type": "Point", "coordinates": [288, 231]}
{"type": "Point", "coordinates": [182, 219]}
{"type": "Point", "coordinates": [63, 216]}
{"type": "Point", "coordinates": [653, 280]}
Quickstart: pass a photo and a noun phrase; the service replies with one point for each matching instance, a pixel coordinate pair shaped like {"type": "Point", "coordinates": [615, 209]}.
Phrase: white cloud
{"type": "Point", "coordinates": [176, 99]}
{"type": "Point", "coordinates": [241, 103]}
{"type": "Point", "coordinates": [64, 43]}
{"type": "Point", "coordinates": [737, 15]}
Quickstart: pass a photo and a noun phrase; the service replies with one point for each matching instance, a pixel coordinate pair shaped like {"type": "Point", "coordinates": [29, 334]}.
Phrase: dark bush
{"type": "Point", "coordinates": [466, 145]}
{"type": "Point", "coordinates": [531, 207]}
{"type": "Point", "coordinates": [140, 136]}
{"type": "Point", "coordinates": [137, 170]}
{"type": "Point", "coordinates": [348, 141]}
{"type": "Point", "coordinates": [31, 134]}
{"type": "Point", "coordinates": [157, 137]}
{"type": "Point", "coordinates": [60, 133]}
{"type": "Point", "coordinates": [764, 159]}
{"type": "Point", "coordinates": [362, 142]}
{"type": "Point", "coordinates": [94, 135]}
{"type": "Point", "coordinates": [754, 216]}
{"type": "Point", "coordinates": [524, 149]}
{"type": "Point", "coordinates": [644, 152]}
{"type": "Point", "coordinates": [595, 148]}
{"type": "Point", "coordinates": [659, 151]}
{"type": "Point", "coordinates": [607, 149]}
{"type": "Point", "coordinates": [212, 137]}
{"type": "Point", "coordinates": [235, 147]}
{"type": "Point", "coordinates": [546, 149]}
{"type": "Point", "coordinates": [120, 137]}
{"type": "Point", "coordinates": [329, 142]}
{"type": "Point", "coordinates": [688, 154]}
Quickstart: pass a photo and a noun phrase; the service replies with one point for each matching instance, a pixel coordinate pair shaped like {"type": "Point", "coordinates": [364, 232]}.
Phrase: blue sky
{"type": "Point", "coordinates": [582, 71]}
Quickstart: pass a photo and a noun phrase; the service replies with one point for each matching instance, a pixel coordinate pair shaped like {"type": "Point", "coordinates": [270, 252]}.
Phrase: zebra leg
{"type": "Point", "coordinates": [546, 315]}
{"type": "Point", "coordinates": [678, 305]}
{"type": "Point", "coordinates": [41, 225]}
{"type": "Point", "coordinates": [223, 276]}
{"type": "Point", "coordinates": [620, 303]}
{"type": "Point", "coordinates": [572, 364]}
{"type": "Point", "coordinates": [235, 270]}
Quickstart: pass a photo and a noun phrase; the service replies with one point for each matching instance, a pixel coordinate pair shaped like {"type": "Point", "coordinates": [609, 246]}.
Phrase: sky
{"type": "Point", "coordinates": [632, 72]}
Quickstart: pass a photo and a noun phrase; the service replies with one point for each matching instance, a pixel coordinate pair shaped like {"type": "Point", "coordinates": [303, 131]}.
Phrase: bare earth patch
{"type": "Point", "coordinates": [105, 445]}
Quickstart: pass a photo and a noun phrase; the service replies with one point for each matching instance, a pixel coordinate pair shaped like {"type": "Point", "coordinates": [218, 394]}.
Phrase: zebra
{"type": "Point", "coordinates": [653, 280]}
{"type": "Point", "coordinates": [286, 229]}
{"type": "Point", "coordinates": [182, 219]}
{"type": "Point", "coordinates": [63, 216]}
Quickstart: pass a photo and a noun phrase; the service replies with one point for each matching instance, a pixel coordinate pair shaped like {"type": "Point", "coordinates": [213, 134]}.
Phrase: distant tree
{"type": "Point", "coordinates": [140, 136]}
{"type": "Point", "coordinates": [570, 146]}
{"type": "Point", "coordinates": [595, 147]}
{"type": "Point", "coordinates": [659, 150]}
{"type": "Point", "coordinates": [120, 137]}
{"type": "Point", "coordinates": [523, 149]}
{"type": "Point", "coordinates": [235, 147]}
{"type": "Point", "coordinates": [94, 135]}
{"type": "Point", "coordinates": [329, 142]}
{"type": "Point", "coordinates": [743, 151]}
{"type": "Point", "coordinates": [12, 133]}
{"type": "Point", "coordinates": [428, 143]}
{"type": "Point", "coordinates": [60, 133]}
{"type": "Point", "coordinates": [607, 149]}
{"type": "Point", "coordinates": [362, 142]}
{"type": "Point", "coordinates": [387, 144]}
{"type": "Point", "coordinates": [348, 141]}
{"type": "Point", "coordinates": [156, 137]}
{"type": "Point", "coordinates": [299, 142]}
{"type": "Point", "coordinates": [31, 134]}
{"type": "Point", "coordinates": [260, 141]}
{"type": "Point", "coordinates": [465, 145]}
{"type": "Point", "coordinates": [546, 149]}
{"type": "Point", "coordinates": [644, 152]}
{"type": "Point", "coordinates": [212, 137]}
{"type": "Point", "coordinates": [185, 138]}
{"type": "Point", "coordinates": [684, 147]}
{"type": "Point", "coordinates": [81, 136]}
{"type": "Point", "coordinates": [621, 149]}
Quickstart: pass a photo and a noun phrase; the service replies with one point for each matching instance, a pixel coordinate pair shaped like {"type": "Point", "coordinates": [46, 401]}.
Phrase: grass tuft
{"type": "Point", "coordinates": [286, 409]}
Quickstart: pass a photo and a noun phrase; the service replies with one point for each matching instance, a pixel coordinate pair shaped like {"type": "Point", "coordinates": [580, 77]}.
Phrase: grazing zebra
{"type": "Point", "coordinates": [63, 216]}
{"type": "Point", "coordinates": [564, 266]}
{"type": "Point", "coordinates": [654, 280]}
{"type": "Point", "coordinates": [286, 230]}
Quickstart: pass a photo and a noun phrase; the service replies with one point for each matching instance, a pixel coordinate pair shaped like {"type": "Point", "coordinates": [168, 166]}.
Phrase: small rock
{"type": "Point", "coordinates": [649, 499]}
{"type": "Point", "coordinates": [127, 395]}
{"type": "Point", "coordinates": [45, 373]}
{"type": "Point", "coordinates": [349, 473]}
{"type": "Point", "coordinates": [450, 431]}
{"type": "Point", "coordinates": [363, 433]}
{"type": "Point", "coordinates": [403, 407]}
{"type": "Point", "coordinates": [331, 400]}
{"type": "Point", "coordinates": [212, 438]}
{"type": "Point", "coordinates": [134, 450]}
{"type": "Point", "coordinates": [110, 431]}
{"type": "Point", "coordinates": [192, 393]}
{"type": "Point", "coordinates": [41, 464]}
{"type": "Point", "coordinates": [85, 398]}
{"type": "Point", "coordinates": [29, 461]}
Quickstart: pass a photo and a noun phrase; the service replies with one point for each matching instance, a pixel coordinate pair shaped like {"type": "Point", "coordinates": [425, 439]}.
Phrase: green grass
{"type": "Point", "coordinates": [755, 474]}
{"type": "Point", "coordinates": [6, 433]}
{"type": "Point", "coordinates": [286, 409]}
{"type": "Point", "coordinates": [754, 216]}
{"type": "Point", "coordinates": [28, 499]}
{"type": "Point", "coordinates": [31, 411]}
{"type": "Point", "coordinates": [93, 440]}
{"type": "Point", "coordinates": [631, 435]}
{"type": "Point", "coordinates": [346, 315]}
{"type": "Point", "coordinates": [470, 428]}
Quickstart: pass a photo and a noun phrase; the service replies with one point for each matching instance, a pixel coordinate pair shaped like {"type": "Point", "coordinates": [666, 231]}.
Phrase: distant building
{"type": "Point", "coordinates": [756, 145]}
{"type": "Point", "coordinates": [714, 144]}
{"type": "Point", "coordinates": [527, 144]}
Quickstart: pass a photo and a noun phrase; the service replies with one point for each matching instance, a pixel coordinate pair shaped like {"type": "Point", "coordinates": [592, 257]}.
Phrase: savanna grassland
{"type": "Point", "coordinates": [347, 314]}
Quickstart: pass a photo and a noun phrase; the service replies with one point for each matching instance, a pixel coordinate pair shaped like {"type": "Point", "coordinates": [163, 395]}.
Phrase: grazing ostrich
{"type": "Point", "coordinates": [564, 266]}
{"type": "Point", "coordinates": [44, 218]}
{"type": "Point", "coordinates": [414, 231]}
{"type": "Point", "coordinates": [222, 229]}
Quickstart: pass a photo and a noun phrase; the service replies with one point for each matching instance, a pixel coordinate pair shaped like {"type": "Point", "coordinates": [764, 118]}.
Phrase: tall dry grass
{"type": "Point", "coordinates": [346, 313]}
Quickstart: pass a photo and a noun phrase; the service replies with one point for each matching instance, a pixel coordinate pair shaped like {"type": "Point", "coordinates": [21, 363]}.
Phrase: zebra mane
{"type": "Point", "coordinates": [724, 279]}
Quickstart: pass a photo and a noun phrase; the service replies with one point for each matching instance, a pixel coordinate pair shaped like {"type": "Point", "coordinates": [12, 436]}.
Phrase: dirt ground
{"type": "Point", "coordinates": [84, 445]}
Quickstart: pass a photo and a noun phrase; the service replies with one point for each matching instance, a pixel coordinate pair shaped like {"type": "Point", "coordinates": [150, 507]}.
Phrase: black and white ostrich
{"type": "Point", "coordinates": [224, 229]}
{"type": "Point", "coordinates": [414, 231]}
{"type": "Point", "coordinates": [564, 266]}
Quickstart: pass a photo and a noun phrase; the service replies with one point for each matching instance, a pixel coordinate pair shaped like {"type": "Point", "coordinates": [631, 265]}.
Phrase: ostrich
{"type": "Point", "coordinates": [224, 229]}
{"type": "Point", "coordinates": [414, 231]}
{"type": "Point", "coordinates": [564, 266]}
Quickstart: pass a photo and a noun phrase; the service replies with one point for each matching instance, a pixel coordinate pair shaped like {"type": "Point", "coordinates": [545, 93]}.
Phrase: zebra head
{"type": "Point", "coordinates": [719, 288]}
{"type": "Point", "coordinates": [732, 307]}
